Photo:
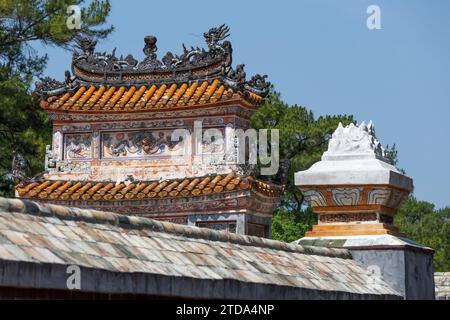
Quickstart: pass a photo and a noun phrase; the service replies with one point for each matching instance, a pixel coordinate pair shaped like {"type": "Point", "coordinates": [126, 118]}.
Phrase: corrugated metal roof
{"type": "Point", "coordinates": [49, 234]}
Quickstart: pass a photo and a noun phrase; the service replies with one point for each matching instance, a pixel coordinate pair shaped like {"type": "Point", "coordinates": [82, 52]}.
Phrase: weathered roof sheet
{"type": "Point", "coordinates": [107, 99]}
{"type": "Point", "coordinates": [442, 284]}
{"type": "Point", "coordinates": [109, 191]}
{"type": "Point", "coordinates": [123, 254]}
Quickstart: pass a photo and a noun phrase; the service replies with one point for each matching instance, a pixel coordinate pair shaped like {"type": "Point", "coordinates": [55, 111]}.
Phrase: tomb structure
{"type": "Point", "coordinates": [135, 137]}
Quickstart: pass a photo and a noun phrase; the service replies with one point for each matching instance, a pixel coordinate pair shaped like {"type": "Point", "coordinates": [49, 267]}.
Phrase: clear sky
{"type": "Point", "coordinates": [321, 55]}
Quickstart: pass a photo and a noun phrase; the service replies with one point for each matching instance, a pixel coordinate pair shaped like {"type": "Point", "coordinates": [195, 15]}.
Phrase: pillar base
{"type": "Point", "coordinates": [402, 263]}
{"type": "Point", "coordinates": [342, 230]}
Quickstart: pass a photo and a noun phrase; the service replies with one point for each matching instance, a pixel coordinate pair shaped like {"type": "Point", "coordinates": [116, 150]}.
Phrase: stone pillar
{"type": "Point", "coordinates": [355, 192]}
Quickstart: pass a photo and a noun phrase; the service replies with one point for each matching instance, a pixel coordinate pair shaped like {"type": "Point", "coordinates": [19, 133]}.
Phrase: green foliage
{"type": "Point", "coordinates": [46, 21]}
{"type": "Point", "coordinates": [303, 138]}
{"type": "Point", "coordinates": [25, 21]}
{"type": "Point", "coordinates": [24, 126]}
{"type": "Point", "coordinates": [392, 156]}
{"type": "Point", "coordinates": [289, 226]}
{"type": "Point", "coordinates": [424, 224]}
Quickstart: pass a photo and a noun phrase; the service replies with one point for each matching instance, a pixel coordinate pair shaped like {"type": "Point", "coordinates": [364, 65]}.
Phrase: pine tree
{"type": "Point", "coordinates": [24, 128]}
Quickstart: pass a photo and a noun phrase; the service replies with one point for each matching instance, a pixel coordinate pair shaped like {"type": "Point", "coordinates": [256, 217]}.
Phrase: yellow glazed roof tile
{"type": "Point", "coordinates": [123, 99]}
{"type": "Point", "coordinates": [95, 191]}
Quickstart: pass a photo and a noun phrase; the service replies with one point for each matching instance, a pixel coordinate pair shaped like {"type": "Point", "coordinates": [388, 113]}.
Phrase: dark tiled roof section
{"type": "Point", "coordinates": [145, 98]}
{"type": "Point", "coordinates": [109, 191]}
{"type": "Point", "coordinates": [191, 261]}
{"type": "Point", "coordinates": [133, 222]}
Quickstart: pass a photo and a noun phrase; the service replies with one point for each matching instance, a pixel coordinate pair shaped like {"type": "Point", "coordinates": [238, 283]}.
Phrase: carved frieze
{"type": "Point", "coordinates": [379, 196]}
{"type": "Point", "coordinates": [178, 220]}
{"type": "Point", "coordinates": [373, 198]}
{"type": "Point", "coordinates": [229, 226]}
{"type": "Point", "coordinates": [346, 196]}
{"type": "Point", "coordinates": [121, 116]}
{"type": "Point", "coordinates": [348, 217]}
{"type": "Point", "coordinates": [355, 217]}
{"type": "Point", "coordinates": [142, 124]}
{"type": "Point", "coordinates": [397, 197]}
{"type": "Point", "coordinates": [132, 144]}
{"type": "Point", "coordinates": [77, 146]}
{"type": "Point", "coordinates": [315, 198]}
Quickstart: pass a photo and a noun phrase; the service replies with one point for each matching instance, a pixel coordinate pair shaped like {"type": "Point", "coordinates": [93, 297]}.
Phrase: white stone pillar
{"type": "Point", "coordinates": [355, 192]}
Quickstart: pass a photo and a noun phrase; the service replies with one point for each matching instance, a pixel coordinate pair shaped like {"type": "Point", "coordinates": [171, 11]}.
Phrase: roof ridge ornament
{"type": "Point", "coordinates": [150, 48]}
{"type": "Point", "coordinates": [86, 57]}
{"type": "Point", "coordinates": [354, 141]}
{"type": "Point", "coordinates": [47, 86]}
{"type": "Point", "coordinates": [91, 68]}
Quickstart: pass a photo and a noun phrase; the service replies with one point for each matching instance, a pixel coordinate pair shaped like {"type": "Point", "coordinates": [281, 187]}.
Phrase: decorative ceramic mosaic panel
{"type": "Point", "coordinates": [178, 220]}
{"type": "Point", "coordinates": [229, 226]}
{"type": "Point", "coordinates": [143, 143]}
{"type": "Point", "coordinates": [78, 146]}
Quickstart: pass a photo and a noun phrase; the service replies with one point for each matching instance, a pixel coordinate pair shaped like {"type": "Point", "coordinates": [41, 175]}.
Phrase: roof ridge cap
{"type": "Point", "coordinates": [134, 222]}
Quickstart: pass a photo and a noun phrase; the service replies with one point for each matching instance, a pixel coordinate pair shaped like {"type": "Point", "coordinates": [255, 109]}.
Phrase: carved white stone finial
{"type": "Point", "coordinates": [354, 189]}
{"type": "Point", "coordinates": [354, 141]}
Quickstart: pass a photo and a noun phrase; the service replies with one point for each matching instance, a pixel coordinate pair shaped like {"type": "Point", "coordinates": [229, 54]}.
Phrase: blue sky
{"type": "Point", "coordinates": [321, 55]}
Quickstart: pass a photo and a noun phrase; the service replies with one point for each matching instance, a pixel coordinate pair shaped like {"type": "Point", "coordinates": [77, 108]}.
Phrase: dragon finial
{"type": "Point", "coordinates": [216, 34]}
{"type": "Point", "coordinates": [86, 46]}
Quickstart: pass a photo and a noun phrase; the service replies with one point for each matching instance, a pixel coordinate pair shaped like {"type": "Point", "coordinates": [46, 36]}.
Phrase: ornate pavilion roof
{"type": "Point", "coordinates": [110, 191]}
{"type": "Point", "coordinates": [144, 98]}
{"type": "Point", "coordinates": [106, 82]}
{"type": "Point", "coordinates": [105, 87]}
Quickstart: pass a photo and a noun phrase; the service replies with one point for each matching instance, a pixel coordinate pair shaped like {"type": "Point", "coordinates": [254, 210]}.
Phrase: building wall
{"type": "Point", "coordinates": [406, 271]}
{"type": "Point", "coordinates": [48, 281]}
{"type": "Point", "coordinates": [12, 293]}
{"type": "Point", "coordinates": [419, 272]}
{"type": "Point", "coordinates": [111, 150]}
{"type": "Point", "coordinates": [390, 263]}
